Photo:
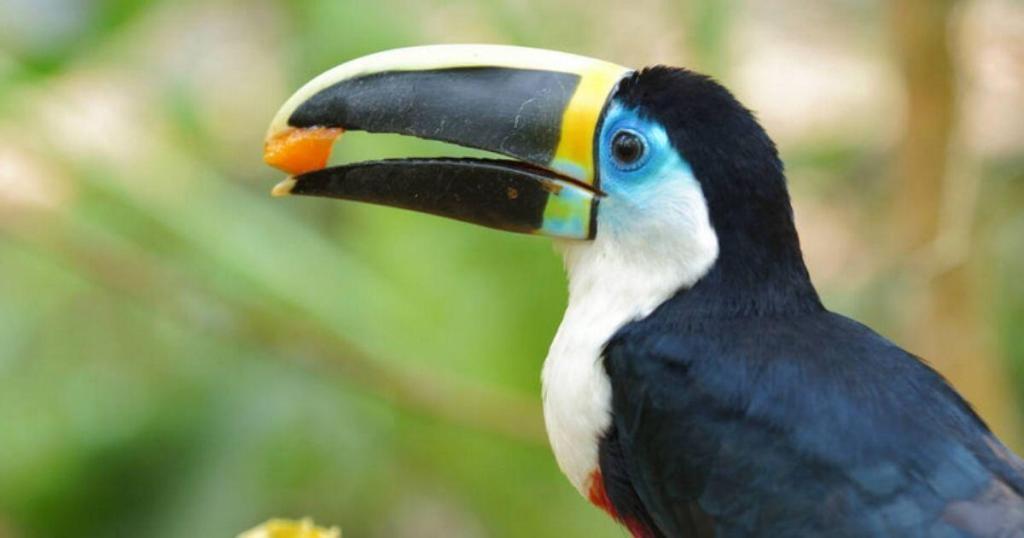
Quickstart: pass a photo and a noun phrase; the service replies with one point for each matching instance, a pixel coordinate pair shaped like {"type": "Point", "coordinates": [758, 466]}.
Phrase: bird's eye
{"type": "Point", "coordinates": [628, 149]}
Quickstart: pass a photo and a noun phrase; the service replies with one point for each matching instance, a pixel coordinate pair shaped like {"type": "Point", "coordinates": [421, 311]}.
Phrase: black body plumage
{"type": "Point", "coordinates": [742, 407]}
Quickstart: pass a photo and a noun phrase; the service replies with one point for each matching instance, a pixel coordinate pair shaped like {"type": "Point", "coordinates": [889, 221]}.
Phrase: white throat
{"type": "Point", "coordinates": [621, 276]}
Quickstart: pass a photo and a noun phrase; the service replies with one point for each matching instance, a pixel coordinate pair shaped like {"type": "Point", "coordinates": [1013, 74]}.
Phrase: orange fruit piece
{"type": "Point", "coordinates": [300, 150]}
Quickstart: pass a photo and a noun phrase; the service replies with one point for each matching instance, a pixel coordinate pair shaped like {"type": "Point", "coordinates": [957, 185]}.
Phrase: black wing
{"type": "Point", "coordinates": [809, 426]}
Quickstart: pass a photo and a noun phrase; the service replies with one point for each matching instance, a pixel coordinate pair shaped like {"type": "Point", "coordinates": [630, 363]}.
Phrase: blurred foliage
{"type": "Point", "coordinates": [185, 356]}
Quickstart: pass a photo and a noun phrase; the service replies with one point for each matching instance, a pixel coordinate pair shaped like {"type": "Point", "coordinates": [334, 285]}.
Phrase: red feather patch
{"type": "Point", "coordinates": [598, 495]}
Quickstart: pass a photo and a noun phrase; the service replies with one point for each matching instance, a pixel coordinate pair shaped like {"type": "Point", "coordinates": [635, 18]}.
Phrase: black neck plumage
{"type": "Point", "coordinates": [760, 269]}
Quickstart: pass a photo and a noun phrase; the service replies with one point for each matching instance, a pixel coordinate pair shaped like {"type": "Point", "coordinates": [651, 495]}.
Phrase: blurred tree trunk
{"type": "Point", "coordinates": [945, 324]}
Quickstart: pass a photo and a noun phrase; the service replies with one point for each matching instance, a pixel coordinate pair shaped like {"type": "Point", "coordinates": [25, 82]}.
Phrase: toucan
{"type": "Point", "coordinates": [696, 386]}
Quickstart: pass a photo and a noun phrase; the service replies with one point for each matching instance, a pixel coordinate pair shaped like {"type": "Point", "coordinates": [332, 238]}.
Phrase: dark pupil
{"type": "Point", "coordinates": [627, 147]}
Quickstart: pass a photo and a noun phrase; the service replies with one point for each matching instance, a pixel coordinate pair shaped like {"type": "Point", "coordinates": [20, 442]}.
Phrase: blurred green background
{"type": "Point", "coordinates": [181, 355]}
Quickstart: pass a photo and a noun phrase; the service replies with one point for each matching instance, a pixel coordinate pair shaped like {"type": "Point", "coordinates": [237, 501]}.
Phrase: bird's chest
{"type": "Point", "coordinates": [608, 288]}
{"type": "Point", "coordinates": [577, 391]}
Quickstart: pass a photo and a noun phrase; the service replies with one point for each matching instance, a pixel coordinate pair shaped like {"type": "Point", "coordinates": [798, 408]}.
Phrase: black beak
{"type": "Point", "coordinates": [539, 107]}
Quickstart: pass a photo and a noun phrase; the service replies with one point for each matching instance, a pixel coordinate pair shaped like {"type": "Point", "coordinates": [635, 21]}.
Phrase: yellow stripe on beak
{"type": "Point", "coordinates": [575, 156]}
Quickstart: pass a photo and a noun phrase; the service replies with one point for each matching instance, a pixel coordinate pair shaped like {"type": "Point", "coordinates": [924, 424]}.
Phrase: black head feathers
{"type": "Point", "coordinates": [742, 179]}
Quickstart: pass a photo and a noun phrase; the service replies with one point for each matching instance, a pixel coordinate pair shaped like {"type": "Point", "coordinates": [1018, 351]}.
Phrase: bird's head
{"type": "Point", "coordinates": [659, 173]}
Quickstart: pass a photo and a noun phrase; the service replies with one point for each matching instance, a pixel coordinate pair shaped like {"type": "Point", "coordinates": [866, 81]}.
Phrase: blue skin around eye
{"type": "Point", "coordinates": [636, 187]}
{"type": "Point", "coordinates": [659, 157]}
